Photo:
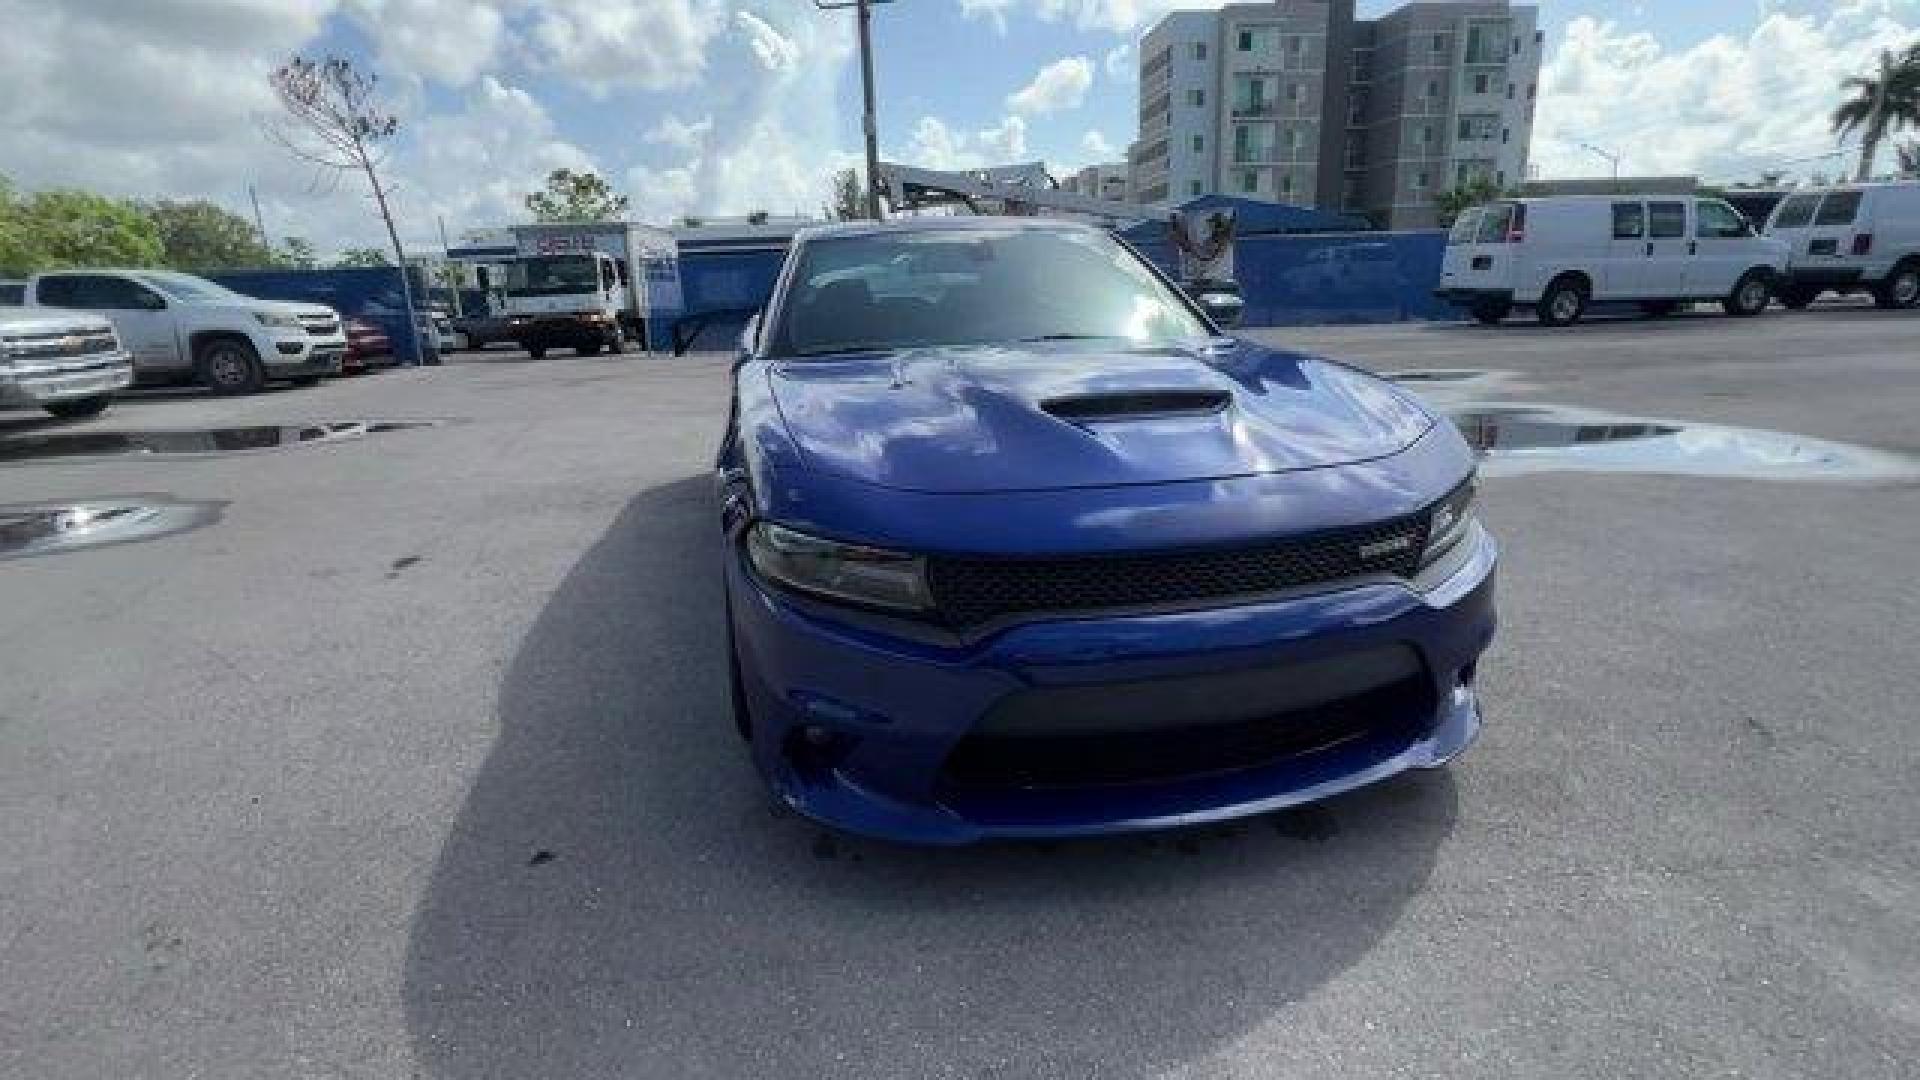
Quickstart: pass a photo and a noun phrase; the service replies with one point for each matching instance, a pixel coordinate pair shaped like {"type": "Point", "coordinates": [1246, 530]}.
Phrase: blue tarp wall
{"type": "Point", "coordinates": [1287, 280]}
{"type": "Point", "coordinates": [1370, 277]}
{"type": "Point", "coordinates": [371, 293]}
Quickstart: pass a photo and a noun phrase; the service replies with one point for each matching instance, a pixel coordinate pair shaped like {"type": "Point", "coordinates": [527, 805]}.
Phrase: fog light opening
{"type": "Point", "coordinates": [816, 750]}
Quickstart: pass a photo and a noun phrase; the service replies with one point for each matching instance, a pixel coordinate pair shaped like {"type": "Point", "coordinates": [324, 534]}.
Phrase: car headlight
{"type": "Point", "coordinates": [861, 575]}
{"type": "Point", "coordinates": [278, 319]}
{"type": "Point", "coordinates": [1452, 520]}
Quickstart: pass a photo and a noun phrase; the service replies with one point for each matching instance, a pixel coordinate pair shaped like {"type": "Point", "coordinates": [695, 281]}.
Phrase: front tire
{"type": "Point", "coordinates": [1901, 289]}
{"type": "Point", "coordinates": [1750, 296]}
{"type": "Point", "coordinates": [78, 408]}
{"type": "Point", "coordinates": [230, 366]}
{"type": "Point", "coordinates": [537, 352]}
{"type": "Point", "coordinates": [1564, 302]}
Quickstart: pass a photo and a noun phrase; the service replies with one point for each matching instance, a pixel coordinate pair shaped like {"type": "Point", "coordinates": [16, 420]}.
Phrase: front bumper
{"type": "Point", "coordinates": [35, 382]}
{"type": "Point", "coordinates": [295, 355]}
{"type": "Point", "coordinates": [1468, 297]}
{"type": "Point", "coordinates": [859, 729]}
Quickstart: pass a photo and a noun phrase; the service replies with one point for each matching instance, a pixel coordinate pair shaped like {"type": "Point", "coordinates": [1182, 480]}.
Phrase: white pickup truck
{"type": "Point", "coordinates": [67, 364]}
{"type": "Point", "coordinates": [180, 328]}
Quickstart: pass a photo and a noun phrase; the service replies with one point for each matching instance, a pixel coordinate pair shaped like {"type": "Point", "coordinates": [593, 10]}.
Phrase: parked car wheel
{"type": "Point", "coordinates": [1659, 309]}
{"type": "Point", "coordinates": [230, 366]}
{"type": "Point", "coordinates": [1750, 296]}
{"type": "Point", "coordinates": [592, 348]}
{"type": "Point", "coordinates": [1563, 303]}
{"type": "Point", "coordinates": [78, 408]}
{"type": "Point", "coordinates": [538, 352]}
{"type": "Point", "coordinates": [1491, 312]}
{"type": "Point", "coordinates": [1901, 289]}
{"type": "Point", "coordinates": [617, 342]}
{"type": "Point", "coordinates": [1797, 297]}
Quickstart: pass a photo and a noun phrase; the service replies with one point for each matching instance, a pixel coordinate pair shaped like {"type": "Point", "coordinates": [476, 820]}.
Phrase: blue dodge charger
{"type": "Point", "coordinates": [1019, 544]}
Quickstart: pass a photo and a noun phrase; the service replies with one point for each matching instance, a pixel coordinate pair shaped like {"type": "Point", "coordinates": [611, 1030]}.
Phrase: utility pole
{"type": "Point", "coordinates": [863, 10]}
{"type": "Point", "coordinates": [447, 264]}
{"type": "Point", "coordinates": [259, 221]}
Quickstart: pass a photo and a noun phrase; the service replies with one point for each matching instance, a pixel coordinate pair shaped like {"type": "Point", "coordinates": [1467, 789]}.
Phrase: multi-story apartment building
{"type": "Point", "coordinates": [1107, 180]}
{"type": "Point", "coordinates": [1300, 102]}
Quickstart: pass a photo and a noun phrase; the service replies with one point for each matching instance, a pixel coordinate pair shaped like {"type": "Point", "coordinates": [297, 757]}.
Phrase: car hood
{"type": "Point", "coordinates": [1080, 414]}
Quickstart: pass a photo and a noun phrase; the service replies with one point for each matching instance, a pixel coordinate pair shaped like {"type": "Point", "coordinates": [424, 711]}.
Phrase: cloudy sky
{"type": "Point", "coordinates": [729, 106]}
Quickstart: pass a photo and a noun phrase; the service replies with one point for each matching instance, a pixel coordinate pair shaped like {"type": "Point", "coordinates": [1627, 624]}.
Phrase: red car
{"type": "Point", "coordinates": [367, 345]}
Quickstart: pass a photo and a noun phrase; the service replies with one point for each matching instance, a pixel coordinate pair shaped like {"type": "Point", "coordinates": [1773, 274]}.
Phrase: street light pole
{"type": "Point", "coordinates": [1612, 158]}
{"type": "Point", "coordinates": [863, 10]}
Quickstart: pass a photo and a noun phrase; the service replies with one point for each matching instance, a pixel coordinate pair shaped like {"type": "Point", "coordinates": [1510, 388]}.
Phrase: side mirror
{"type": "Point", "coordinates": [749, 336]}
{"type": "Point", "coordinates": [1221, 302]}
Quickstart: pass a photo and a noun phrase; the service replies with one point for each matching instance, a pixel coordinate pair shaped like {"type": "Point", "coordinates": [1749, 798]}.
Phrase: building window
{"type": "Point", "coordinates": [1539, 36]}
{"type": "Point", "coordinates": [1433, 88]}
{"type": "Point", "coordinates": [1511, 87]}
{"type": "Point", "coordinates": [1479, 125]}
{"type": "Point", "coordinates": [1500, 178]}
{"type": "Point", "coordinates": [1482, 82]}
{"type": "Point", "coordinates": [1421, 180]}
{"type": "Point", "coordinates": [1250, 95]}
{"type": "Point", "coordinates": [1293, 91]}
{"type": "Point", "coordinates": [1286, 184]}
{"type": "Point", "coordinates": [1295, 45]}
{"type": "Point", "coordinates": [1199, 50]}
{"type": "Point", "coordinates": [1198, 97]}
{"type": "Point", "coordinates": [1249, 181]}
{"type": "Point", "coordinates": [1486, 43]}
{"type": "Point", "coordinates": [1531, 87]}
{"type": "Point", "coordinates": [1246, 41]}
{"type": "Point", "coordinates": [1506, 135]}
{"type": "Point", "coordinates": [1439, 43]}
{"type": "Point", "coordinates": [1199, 144]}
{"type": "Point", "coordinates": [1426, 136]}
{"type": "Point", "coordinates": [1194, 188]}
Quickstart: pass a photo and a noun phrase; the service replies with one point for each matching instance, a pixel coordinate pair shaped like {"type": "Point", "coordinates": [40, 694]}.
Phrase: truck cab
{"type": "Point", "coordinates": [583, 300]}
{"type": "Point", "coordinates": [181, 328]}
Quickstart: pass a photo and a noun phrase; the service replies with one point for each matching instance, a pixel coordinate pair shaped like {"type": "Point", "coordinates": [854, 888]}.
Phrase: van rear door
{"type": "Point", "coordinates": [1830, 239]}
{"type": "Point", "coordinates": [1481, 249]}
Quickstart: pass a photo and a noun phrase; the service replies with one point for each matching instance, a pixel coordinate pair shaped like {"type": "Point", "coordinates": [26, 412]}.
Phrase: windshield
{"type": "Point", "coordinates": [552, 275]}
{"type": "Point", "coordinates": [189, 289]}
{"type": "Point", "coordinates": [971, 287]}
{"type": "Point", "coordinates": [1465, 227]}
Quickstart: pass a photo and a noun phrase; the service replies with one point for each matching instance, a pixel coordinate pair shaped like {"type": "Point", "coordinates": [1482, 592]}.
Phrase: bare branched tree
{"type": "Point", "coordinates": [334, 120]}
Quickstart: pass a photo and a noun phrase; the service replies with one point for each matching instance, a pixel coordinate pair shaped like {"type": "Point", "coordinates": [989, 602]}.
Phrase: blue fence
{"type": "Point", "coordinates": [1287, 280]}
{"type": "Point", "coordinates": [1371, 277]}
{"type": "Point", "coordinates": [371, 293]}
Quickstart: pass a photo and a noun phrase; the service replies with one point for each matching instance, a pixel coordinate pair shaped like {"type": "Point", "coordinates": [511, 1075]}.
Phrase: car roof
{"type": "Point", "coordinates": [955, 223]}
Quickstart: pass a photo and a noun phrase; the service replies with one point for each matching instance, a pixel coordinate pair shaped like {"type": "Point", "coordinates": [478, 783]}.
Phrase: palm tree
{"type": "Point", "coordinates": [1881, 106]}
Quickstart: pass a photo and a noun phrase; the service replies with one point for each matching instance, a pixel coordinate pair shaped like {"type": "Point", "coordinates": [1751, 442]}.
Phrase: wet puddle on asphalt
{"type": "Point", "coordinates": [1515, 438]}
{"type": "Point", "coordinates": [107, 443]}
{"type": "Point", "coordinates": [49, 528]}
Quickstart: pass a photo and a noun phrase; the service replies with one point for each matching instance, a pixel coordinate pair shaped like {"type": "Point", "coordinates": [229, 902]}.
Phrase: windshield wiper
{"type": "Point", "coordinates": [1065, 337]}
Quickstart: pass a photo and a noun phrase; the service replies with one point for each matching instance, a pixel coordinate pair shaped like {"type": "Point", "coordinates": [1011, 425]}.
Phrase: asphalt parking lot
{"type": "Point", "coordinates": [415, 763]}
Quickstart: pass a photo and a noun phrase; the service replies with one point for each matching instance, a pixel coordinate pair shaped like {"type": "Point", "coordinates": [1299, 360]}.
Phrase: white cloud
{"type": "Point", "coordinates": [1119, 16]}
{"type": "Point", "coordinates": [1060, 85]}
{"type": "Point", "coordinates": [649, 44]}
{"type": "Point", "coordinates": [1119, 63]}
{"type": "Point", "coordinates": [1726, 108]}
{"type": "Point", "coordinates": [450, 41]}
{"type": "Point", "coordinates": [776, 52]}
{"type": "Point", "coordinates": [679, 134]}
{"type": "Point", "coordinates": [936, 145]}
{"type": "Point", "coordinates": [1095, 145]}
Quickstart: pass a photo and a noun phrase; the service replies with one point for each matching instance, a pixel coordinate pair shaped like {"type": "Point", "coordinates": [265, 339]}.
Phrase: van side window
{"type": "Point", "coordinates": [1493, 223]}
{"type": "Point", "coordinates": [1838, 208]}
{"type": "Point", "coordinates": [1797, 211]}
{"type": "Point", "coordinates": [1718, 221]}
{"type": "Point", "coordinates": [1629, 221]}
{"type": "Point", "coordinates": [1668, 220]}
{"type": "Point", "coordinates": [59, 292]}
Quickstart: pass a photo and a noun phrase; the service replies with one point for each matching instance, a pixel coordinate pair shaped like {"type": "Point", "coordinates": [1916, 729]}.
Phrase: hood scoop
{"type": "Point", "coordinates": [1135, 405]}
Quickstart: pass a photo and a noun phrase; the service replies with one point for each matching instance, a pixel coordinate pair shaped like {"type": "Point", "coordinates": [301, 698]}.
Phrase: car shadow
{"type": "Point", "coordinates": [617, 897]}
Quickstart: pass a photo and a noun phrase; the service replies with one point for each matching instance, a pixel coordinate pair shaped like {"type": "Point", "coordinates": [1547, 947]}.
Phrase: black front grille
{"type": "Point", "coordinates": [972, 591]}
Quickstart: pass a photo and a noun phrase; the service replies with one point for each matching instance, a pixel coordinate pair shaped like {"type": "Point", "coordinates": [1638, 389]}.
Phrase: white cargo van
{"type": "Point", "coordinates": [1862, 236]}
{"type": "Point", "coordinates": [1560, 255]}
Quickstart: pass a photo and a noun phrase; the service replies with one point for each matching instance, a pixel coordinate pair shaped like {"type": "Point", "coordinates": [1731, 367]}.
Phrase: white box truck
{"type": "Point", "coordinates": [590, 286]}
